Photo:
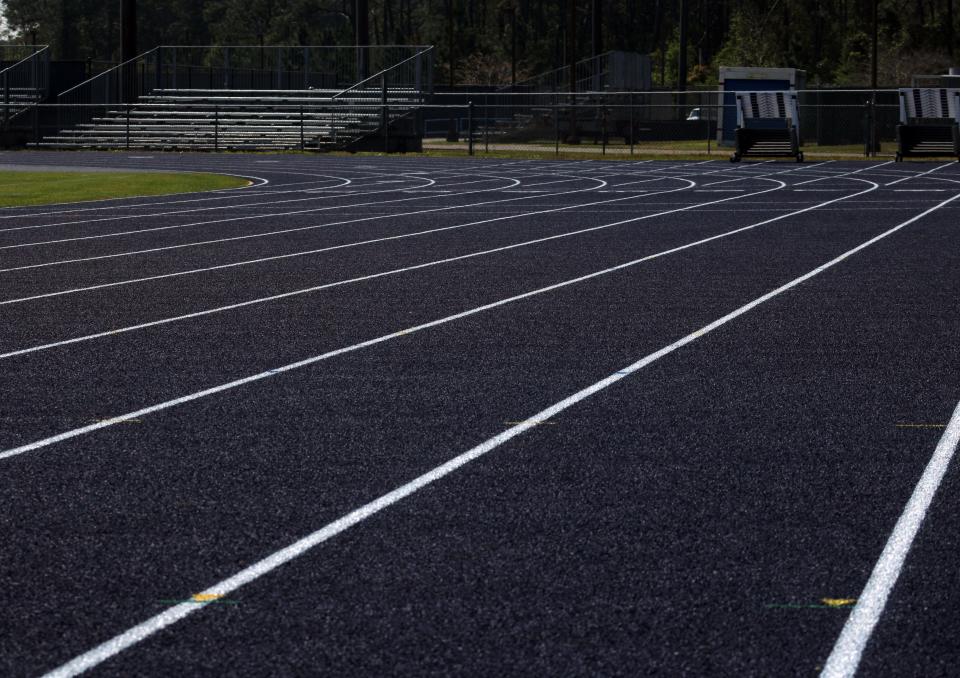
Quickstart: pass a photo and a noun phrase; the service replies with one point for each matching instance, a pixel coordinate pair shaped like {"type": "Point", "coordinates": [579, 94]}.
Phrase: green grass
{"type": "Point", "coordinates": [20, 189]}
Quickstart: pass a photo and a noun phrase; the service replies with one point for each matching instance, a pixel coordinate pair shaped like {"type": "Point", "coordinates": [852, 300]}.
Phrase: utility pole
{"type": "Point", "coordinates": [682, 60]}
{"type": "Point", "coordinates": [453, 134]}
{"type": "Point", "coordinates": [513, 44]}
{"type": "Point", "coordinates": [872, 141]}
{"type": "Point", "coordinates": [128, 29]}
{"type": "Point", "coordinates": [596, 23]}
{"type": "Point", "coordinates": [950, 33]}
{"type": "Point", "coordinates": [572, 137]}
{"type": "Point", "coordinates": [873, 46]}
{"type": "Point", "coordinates": [128, 50]}
{"type": "Point", "coordinates": [362, 23]}
{"type": "Point", "coordinates": [596, 30]}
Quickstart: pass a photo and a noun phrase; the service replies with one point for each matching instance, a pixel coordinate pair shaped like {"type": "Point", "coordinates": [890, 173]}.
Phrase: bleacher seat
{"type": "Point", "coordinates": [241, 120]}
{"type": "Point", "coordinates": [768, 125]}
{"type": "Point", "coordinates": [929, 122]}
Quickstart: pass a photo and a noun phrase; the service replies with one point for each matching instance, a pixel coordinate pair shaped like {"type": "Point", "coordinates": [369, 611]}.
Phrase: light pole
{"type": "Point", "coordinates": [453, 134]}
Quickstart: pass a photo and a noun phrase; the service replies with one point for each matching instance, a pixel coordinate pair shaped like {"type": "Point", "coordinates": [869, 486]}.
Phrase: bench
{"type": "Point", "coordinates": [768, 125]}
{"type": "Point", "coordinates": [929, 122]}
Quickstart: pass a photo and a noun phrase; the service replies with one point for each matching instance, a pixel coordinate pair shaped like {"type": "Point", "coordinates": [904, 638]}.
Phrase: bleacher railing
{"type": "Point", "coordinates": [24, 83]}
{"type": "Point", "coordinates": [405, 78]}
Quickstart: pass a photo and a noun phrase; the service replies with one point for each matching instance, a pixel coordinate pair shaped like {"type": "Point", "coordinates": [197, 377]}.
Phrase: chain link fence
{"type": "Point", "coordinates": [833, 123]}
{"type": "Point", "coordinates": [698, 125]}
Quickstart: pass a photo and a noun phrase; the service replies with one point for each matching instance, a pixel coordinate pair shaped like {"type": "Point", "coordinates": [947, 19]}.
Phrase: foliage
{"type": "Point", "coordinates": [827, 38]}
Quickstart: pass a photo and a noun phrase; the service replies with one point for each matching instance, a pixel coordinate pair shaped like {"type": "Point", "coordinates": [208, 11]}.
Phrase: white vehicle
{"type": "Point", "coordinates": [702, 114]}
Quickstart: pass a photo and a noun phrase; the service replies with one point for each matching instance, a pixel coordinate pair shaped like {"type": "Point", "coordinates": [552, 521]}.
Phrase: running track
{"type": "Point", "coordinates": [482, 418]}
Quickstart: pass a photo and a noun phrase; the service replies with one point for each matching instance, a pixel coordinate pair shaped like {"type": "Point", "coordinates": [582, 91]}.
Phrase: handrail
{"type": "Point", "coordinates": [268, 47]}
{"type": "Point", "coordinates": [109, 70]}
{"type": "Point", "coordinates": [42, 49]}
{"type": "Point", "coordinates": [381, 73]}
{"type": "Point", "coordinates": [547, 74]}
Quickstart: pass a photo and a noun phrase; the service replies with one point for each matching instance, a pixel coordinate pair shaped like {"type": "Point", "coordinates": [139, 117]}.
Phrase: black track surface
{"type": "Point", "coordinates": [687, 520]}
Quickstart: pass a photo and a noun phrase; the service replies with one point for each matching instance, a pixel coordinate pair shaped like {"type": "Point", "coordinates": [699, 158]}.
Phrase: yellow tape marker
{"type": "Point", "coordinates": [205, 597]}
{"type": "Point", "coordinates": [838, 602]}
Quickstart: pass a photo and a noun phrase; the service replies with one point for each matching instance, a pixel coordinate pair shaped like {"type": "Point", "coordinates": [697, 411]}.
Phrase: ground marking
{"type": "Point", "coordinates": [846, 654]}
{"type": "Point", "coordinates": [914, 176]}
{"type": "Point", "coordinates": [145, 629]}
{"type": "Point", "coordinates": [384, 239]}
{"type": "Point", "coordinates": [250, 302]}
{"type": "Point", "coordinates": [370, 218]}
{"type": "Point", "coordinates": [825, 604]}
{"type": "Point", "coordinates": [371, 342]}
{"type": "Point", "coordinates": [245, 206]}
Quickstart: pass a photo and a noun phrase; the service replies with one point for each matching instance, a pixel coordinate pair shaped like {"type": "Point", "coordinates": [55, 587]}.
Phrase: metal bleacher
{"type": "Point", "coordinates": [263, 106]}
{"type": "Point", "coordinates": [929, 123]}
{"type": "Point", "coordinates": [768, 125]}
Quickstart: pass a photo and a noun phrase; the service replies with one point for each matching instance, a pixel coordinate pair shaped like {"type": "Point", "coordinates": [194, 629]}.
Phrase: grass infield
{"type": "Point", "coordinates": [20, 189]}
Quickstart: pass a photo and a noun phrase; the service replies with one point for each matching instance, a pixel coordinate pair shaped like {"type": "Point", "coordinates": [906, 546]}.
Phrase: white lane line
{"type": "Point", "coordinates": [309, 290]}
{"type": "Point", "coordinates": [152, 250]}
{"type": "Point", "coordinates": [579, 206]}
{"type": "Point", "coordinates": [844, 175]}
{"type": "Point", "coordinates": [360, 182]}
{"type": "Point", "coordinates": [267, 234]}
{"type": "Point", "coordinates": [309, 361]}
{"type": "Point", "coordinates": [921, 174]}
{"type": "Point", "coordinates": [145, 629]}
{"type": "Point", "coordinates": [157, 203]}
{"type": "Point", "coordinates": [846, 654]}
{"type": "Point", "coordinates": [246, 206]}
{"type": "Point", "coordinates": [302, 253]}
{"type": "Point", "coordinates": [372, 276]}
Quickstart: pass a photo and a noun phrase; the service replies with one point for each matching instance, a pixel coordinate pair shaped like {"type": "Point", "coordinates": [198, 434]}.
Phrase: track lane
{"type": "Point", "coordinates": [466, 383]}
{"type": "Point", "coordinates": [267, 423]}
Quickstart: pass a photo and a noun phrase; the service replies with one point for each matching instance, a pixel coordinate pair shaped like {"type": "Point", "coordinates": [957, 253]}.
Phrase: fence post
{"type": "Point", "coordinates": [603, 129]}
{"type": "Point", "coordinates": [226, 68]}
{"type": "Point", "coordinates": [470, 127]}
{"type": "Point", "coordinates": [630, 105]}
{"type": "Point", "coordinates": [556, 126]}
{"type": "Point", "coordinates": [867, 125]}
{"type": "Point", "coordinates": [6, 100]}
{"type": "Point", "coordinates": [280, 67]}
{"type": "Point", "coordinates": [706, 109]}
{"type": "Point", "coordinates": [384, 113]}
{"type": "Point", "coordinates": [486, 123]}
{"type": "Point", "coordinates": [216, 128]}
{"type": "Point", "coordinates": [128, 126]}
{"type": "Point", "coordinates": [302, 144]}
